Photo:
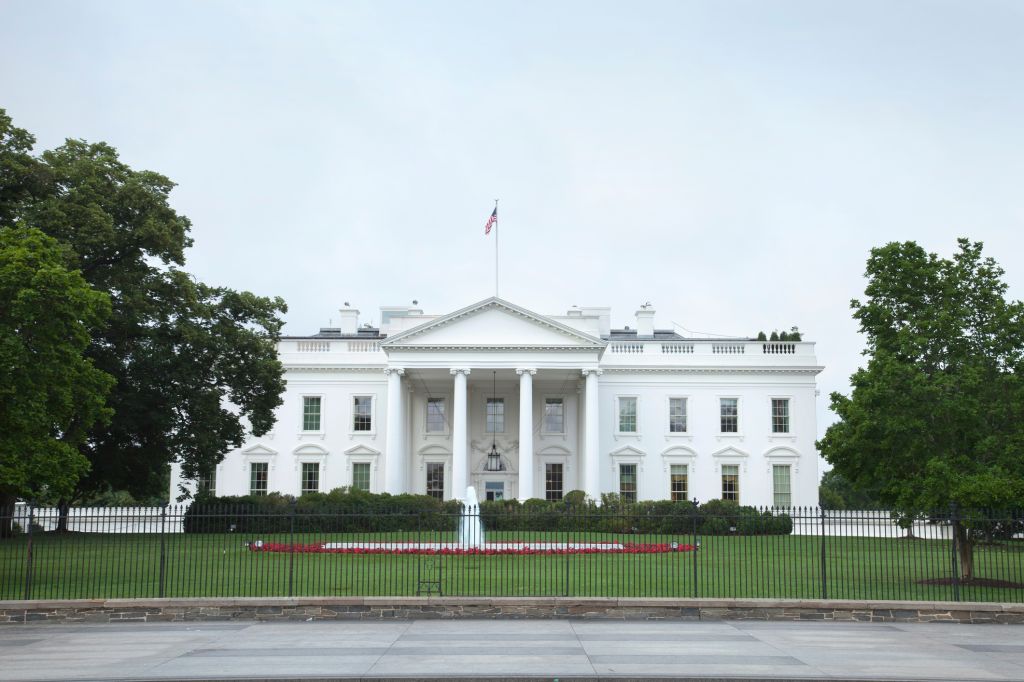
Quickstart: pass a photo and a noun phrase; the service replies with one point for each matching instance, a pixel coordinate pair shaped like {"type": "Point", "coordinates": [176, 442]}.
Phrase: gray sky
{"type": "Point", "coordinates": [732, 162]}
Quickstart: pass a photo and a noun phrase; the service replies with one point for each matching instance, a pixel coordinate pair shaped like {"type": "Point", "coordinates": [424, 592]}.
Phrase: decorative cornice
{"type": "Point", "coordinates": [507, 347]}
{"type": "Point", "coordinates": [714, 370]}
{"type": "Point", "coordinates": [333, 368]}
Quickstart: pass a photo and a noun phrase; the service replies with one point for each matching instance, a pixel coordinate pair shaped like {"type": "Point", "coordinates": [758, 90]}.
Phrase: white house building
{"type": "Point", "coordinates": [525, 405]}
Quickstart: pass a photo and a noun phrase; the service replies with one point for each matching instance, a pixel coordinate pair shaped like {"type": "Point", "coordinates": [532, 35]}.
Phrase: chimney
{"type": "Point", "coordinates": [349, 321]}
{"type": "Point", "coordinates": [645, 321]}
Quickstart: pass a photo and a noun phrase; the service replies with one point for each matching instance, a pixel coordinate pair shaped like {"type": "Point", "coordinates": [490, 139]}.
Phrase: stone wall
{"type": "Point", "coordinates": [390, 608]}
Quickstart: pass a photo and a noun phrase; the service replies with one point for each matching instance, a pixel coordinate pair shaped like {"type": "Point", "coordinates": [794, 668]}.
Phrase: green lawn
{"type": "Point", "coordinates": [98, 565]}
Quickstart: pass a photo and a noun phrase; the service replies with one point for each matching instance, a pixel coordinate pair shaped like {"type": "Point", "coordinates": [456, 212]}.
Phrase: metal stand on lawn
{"type": "Point", "coordinates": [428, 569]}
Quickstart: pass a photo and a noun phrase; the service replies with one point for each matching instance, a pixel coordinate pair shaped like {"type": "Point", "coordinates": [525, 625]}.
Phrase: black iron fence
{"type": "Point", "coordinates": [676, 550]}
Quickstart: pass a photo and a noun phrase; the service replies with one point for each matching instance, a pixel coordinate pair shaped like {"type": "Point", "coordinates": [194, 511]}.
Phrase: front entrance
{"type": "Point", "coordinates": [494, 490]}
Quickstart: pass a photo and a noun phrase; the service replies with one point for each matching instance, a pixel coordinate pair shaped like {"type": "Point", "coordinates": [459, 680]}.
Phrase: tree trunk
{"type": "Point", "coordinates": [964, 551]}
{"type": "Point", "coordinates": [7, 515]}
{"type": "Point", "coordinates": [63, 511]}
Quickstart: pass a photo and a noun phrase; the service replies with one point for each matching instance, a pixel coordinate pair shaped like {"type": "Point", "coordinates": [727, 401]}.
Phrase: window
{"type": "Point", "coordinates": [781, 485]}
{"type": "Point", "coordinates": [361, 476]}
{"type": "Point", "coordinates": [680, 484]}
{"type": "Point", "coordinates": [310, 413]}
{"type": "Point", "coordinates": [627, 482]}
{"type": "Point", "coordinates": [435, 480]}
{"type": "Point", "coordinates": [206, 482]}
{"type": "Point", "coordinates": [495, 415]}
{"type": "Point", "coordinates": [731, 482]}
{"type": "Point", "coordinates": [553, 481]}
{"type": "Point", "coordinates": [362, 413]}
{"type": "Point", "coordinates": [627, 415]}
{"type": "Point", "coordinates": [310, 478]}
{"type": "Point", "coordinates": [677, 415]}
{"type": "Point", "coordinates": [435, 415]}
{"type": "Point", "coordinates": [258, 472]}
{"type": "Point", "coordinates": [494, 490]}
{"type": "Point", "coordinates": [554, 415]}
{"type": "Point", "coordinates": [780, 415]}
{"type": "Point", "coordinates": [730, 411]}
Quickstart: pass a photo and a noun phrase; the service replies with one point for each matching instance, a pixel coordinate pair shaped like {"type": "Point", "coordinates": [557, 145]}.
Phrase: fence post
{"type": "Point", "coordinates": [696, 548]}
{"type": "Point", "coordinates": [163, 548]}
{"type": "Point", "coordinates": [291, 547]}
{"type": "Point", "coordinates": [824, 570]}
{"type": "Point", "coordinates": [954, 525]}
{"type": "Point", "coordinates": [28, 553]}
{"type": "Point", "coordinates": [565, 592]}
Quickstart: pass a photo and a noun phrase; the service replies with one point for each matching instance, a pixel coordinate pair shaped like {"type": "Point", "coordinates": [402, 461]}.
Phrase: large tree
{"type": "Point", "coordinates": [195, 365]}
{"type": "Point", "coordinates": [51, 395]}
{"type": "Point", "coordinates": [936, 418]}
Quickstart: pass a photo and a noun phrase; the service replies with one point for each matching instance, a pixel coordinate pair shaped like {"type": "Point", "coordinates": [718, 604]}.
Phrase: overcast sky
{"type": "Point", "coordinates": [731, 162]}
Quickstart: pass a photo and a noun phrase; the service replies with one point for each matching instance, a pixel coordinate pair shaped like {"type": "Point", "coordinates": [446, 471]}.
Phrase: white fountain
{"type": "Point", "coordinates": [471, 529]}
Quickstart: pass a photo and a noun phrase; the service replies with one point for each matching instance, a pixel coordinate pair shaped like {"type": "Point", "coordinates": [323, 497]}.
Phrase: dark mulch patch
{"type": "Point", "coordinates": [974, 582]}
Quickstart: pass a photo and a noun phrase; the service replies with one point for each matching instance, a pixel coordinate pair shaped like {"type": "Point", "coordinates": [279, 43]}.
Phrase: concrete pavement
{"type": "Point", "coordinates": [542, 649]}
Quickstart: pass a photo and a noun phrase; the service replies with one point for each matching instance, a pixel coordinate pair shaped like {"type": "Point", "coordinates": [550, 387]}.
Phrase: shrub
{"type": "Point", "coordinates": [340, 511]}
{"type": "Point", "coordinates": [355, 511]}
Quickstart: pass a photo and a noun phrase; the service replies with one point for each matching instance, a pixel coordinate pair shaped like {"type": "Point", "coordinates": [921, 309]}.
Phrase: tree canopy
{"type": "Point", "coordinates": [936, 417]}
{"type": "Point", "coordinates": [51, 395]}
{"type": "Point", "coordinates": [195, 365]}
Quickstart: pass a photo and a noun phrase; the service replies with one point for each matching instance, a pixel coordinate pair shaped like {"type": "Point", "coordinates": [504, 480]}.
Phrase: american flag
{"type": "Point", "coordinates": [491, 221]}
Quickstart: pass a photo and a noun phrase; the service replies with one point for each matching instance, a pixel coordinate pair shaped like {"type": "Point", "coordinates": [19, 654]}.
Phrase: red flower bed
{"type": "Point", "coordinates": [417, 548]}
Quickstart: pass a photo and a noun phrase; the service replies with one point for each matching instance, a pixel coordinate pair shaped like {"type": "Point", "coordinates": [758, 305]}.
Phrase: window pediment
{"type": "Point", "coordinates": [362, 451]}
{"type": "Point", "coordinates": [628, 451]}
{"type": "Point", "coordinates": [259, 450]}
{"type": "Point", "coordinates": [310, 449]}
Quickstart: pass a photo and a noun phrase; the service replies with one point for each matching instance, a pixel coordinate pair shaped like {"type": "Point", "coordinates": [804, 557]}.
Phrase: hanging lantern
{"type": "Point", "coordinates": [494, 462]}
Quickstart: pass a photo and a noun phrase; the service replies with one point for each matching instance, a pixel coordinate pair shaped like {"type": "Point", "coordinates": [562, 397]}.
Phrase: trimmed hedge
{"type": "Point", "coordinates": [355, 511]}
{"type": "Point", "coordinates": [339, 511]}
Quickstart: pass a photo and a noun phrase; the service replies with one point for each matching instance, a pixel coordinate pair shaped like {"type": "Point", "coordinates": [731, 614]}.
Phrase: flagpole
{"type": "Point", "coordinates": [496, 249]}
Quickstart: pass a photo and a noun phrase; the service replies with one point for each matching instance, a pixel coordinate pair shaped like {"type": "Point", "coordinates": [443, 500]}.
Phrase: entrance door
{"type": "Point", "coordinates": [494, 490]}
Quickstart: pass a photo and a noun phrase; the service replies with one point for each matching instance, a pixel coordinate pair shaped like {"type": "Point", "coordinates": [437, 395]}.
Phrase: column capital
{"type": "Point", "coordinates": [459, 370]}
{"type": "Point", "coordinates": [595, 372]}
{"type": "Point", "coordinates": [525, 370]}
{"type": "Point", "coordinates": [388, 371]}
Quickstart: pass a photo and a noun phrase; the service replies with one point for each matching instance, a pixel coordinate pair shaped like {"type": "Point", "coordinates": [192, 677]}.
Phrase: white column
{"type": "Point", "coordinates": [394, 463]}
{"type": "Point", "coordinates": [592, 439]}
{"type": "Point", "coordinates": [526, 433]}
{"type": "Point", "coordinates": [460, 436]}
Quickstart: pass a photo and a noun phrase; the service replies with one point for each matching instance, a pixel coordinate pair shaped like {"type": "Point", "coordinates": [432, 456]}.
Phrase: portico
{"type": "Point", "coordinates": [517, 381]}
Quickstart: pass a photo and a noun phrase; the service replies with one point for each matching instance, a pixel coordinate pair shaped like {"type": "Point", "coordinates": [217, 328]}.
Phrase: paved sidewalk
{"type": "Point", "coordinates": [542, 649]}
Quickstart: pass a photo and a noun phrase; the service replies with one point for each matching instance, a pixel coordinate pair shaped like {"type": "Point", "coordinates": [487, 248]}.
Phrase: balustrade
{"type": "Point", "coordinates": [313, 346]}
{"type": "Point", "coordinates": [675, 348]}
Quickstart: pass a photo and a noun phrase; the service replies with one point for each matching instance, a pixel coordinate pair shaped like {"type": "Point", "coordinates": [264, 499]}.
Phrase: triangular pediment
{"type": "Point", "coordinates": [493, 323]}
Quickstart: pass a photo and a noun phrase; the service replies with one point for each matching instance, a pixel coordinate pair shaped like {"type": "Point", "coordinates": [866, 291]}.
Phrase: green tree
{"type": "Point", "coordinates": [21, 174]}
{"type": "Point", "coordinates": [935, 418]}
{"type": "Point", "coordinates": [196, 366]}
{"type": "Point", "coordinates": [51, 395]}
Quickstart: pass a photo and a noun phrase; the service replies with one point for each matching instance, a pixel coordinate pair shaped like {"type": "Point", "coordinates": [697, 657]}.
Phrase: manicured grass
{"type": "Point", "coordinates": [101, 565]}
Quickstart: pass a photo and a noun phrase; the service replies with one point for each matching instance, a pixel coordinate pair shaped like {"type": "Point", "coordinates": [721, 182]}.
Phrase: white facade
{"type": "Point", "coordinates": [583, 382]}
